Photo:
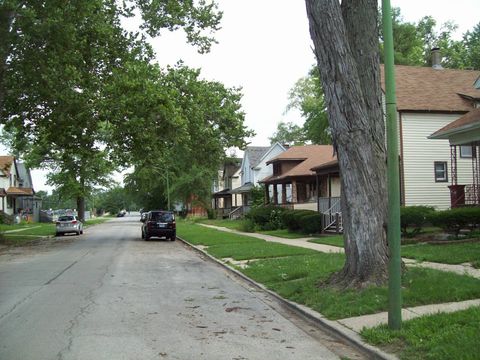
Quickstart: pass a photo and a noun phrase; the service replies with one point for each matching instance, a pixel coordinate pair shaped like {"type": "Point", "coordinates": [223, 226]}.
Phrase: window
{"type": "Point", "coordinates": [441, 174]}
{"type": "Point", "coordinates": [466, 151]}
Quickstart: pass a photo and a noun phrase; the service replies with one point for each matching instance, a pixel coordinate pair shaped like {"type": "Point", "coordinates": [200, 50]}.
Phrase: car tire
{"type": "Point", "coordinates": [173, 238]}
{"type": "Point", "coordinates": [143, 236]}
{"type": "Point", "coordinates": [81, 232]}
{"type": "Point", "coordinates": [146, 237]}
{"type": "Point", "coordinates": [57, 234]}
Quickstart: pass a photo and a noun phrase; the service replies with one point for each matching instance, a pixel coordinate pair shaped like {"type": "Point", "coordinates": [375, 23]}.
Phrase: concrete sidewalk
{"type": "Point", "coordinates": [462, 269]}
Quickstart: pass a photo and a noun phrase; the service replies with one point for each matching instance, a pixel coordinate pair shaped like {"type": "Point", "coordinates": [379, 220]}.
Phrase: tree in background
{"type": "Point", "coordinates": [345, 38]}
{"type": "Point", "coordinates": [288, 133]}
{"type": "Point", "coordinates": [60, 64]}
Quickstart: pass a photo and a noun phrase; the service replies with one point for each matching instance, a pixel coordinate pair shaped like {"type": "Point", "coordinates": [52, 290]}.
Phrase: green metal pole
{"type": "Point", "coordinates": [393, 235]}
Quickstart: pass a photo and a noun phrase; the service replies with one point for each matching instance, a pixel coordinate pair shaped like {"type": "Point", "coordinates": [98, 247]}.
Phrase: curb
{"type": "Point", "coordinates": [351, 337]}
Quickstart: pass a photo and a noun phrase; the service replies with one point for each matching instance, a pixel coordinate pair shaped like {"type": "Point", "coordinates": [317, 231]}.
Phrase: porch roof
{"type": "Point", "coordinates": [245, 188]}
{"type": "Point", "coordinates": [222, 193]}
{"type": "Point", "coordinates": [17, 191]}
{"type": "Point", "coordinates": [327, 168]}
{"type": "Point", "coordinates": [467, 122]}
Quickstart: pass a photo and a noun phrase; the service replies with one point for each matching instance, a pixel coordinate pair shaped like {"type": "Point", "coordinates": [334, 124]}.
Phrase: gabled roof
{"type": "Point", "coordinates": [441, 90]}
{"type": "Point", "coordinates": [465, 123]}
{"type": "Point", "coordinates": [6, 163]}
{"type": "Point", "coordinates": [24, 174]}
{"type": "Point", "coordinates": [255, 154]}
{"type": "Point", "coordinates": [308, 156]}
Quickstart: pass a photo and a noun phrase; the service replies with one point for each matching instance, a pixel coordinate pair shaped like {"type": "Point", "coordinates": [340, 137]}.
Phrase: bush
{"type": "Point", "coordinates": [310, 223]}
{"type": "Point", "coordinates": [291, 218]}
{"type": "Point", "coordinates": [454, 220]}
{"type": "Point", "coordinates": [414, 217]}
{"type": "Point", "coordinates": [266, 217]}
{"type": "Point", "coordinates": [211, 214]}
{"type": "Point", "coordinates": [247, 226]}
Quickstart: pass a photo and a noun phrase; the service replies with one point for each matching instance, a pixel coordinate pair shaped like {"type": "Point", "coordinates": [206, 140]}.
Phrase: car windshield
{"type": "Point", "coordinates": [66, 218]}
{"type": "Point", "coordinates": [163, 217]}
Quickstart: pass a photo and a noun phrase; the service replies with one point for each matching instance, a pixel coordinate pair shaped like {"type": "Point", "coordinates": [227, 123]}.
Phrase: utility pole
{"type": "Point", "coordinates": [393, 235]}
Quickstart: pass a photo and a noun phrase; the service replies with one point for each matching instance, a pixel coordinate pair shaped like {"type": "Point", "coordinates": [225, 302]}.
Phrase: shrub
{"type": "Point", "coordinates": [310, 223]}
{"type": "Point", "coordinates": [247, 226]}
{"type": "Point", "coordinates": [414, 217]}
{"type": "Point", "coordinates": [266, 217]}
{"type": "Point", "coordinates": [291, 218]}
{"type": "Point", "coordinates": [455, 220]}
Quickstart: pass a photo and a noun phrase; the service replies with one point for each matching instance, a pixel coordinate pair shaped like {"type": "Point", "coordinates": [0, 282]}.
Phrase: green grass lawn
{"type": "Point", "coordinates": [335, 240]}
{"type": "Point", "coordinates": [296, 278]}
{"type": "Point", "coordinates": [447, 253]}
{"type": "Point", "coordinates": [294, 273]}
{"type": "Point", "coordinates": [433, 337]}
{"type": "Point", "coordinates": [97, 220]}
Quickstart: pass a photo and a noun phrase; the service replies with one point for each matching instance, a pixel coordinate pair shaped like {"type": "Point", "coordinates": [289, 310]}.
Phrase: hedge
{"type": "Point", "coordinates": [266, 217]}
{"type": "Point", "coordinates": [291, 218]}
{"type": "Point", "coordinates": [310, 223]}
{"type": "Point", "coordinates": [414, 217]}
{"type": "Point", "coordinates": [455, 220]}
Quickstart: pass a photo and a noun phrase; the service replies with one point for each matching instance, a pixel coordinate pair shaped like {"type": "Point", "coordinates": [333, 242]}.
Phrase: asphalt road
{"type": "Point", "coordinates": [110, 295]}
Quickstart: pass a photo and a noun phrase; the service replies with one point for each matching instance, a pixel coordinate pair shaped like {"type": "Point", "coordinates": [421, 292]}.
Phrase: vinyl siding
{"type": "Point", "coordinates": [263, 170]}
{"type": "Point", "coordinates": [419, 155]}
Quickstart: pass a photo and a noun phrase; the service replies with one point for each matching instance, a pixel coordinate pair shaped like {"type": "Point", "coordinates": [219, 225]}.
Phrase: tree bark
{"type": "Point", "coordinates": [81, 208]}
{"type": "Point", "coordinates": [345, 38]}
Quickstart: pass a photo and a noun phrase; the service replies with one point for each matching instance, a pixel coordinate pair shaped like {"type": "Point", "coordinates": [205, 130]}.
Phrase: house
{"type": "Point", "coordinates": [254, 167]}
{"type": "Point", "coordinates": [294, 182]}
{"type": "Point", "coordinates": [16, 189]}
{"type": "Point", "coordinates": [428, 99]}
{"type": "Point", "coordinates": [463, 136]}
{"type": "Point", "coordinates": [229, 178]}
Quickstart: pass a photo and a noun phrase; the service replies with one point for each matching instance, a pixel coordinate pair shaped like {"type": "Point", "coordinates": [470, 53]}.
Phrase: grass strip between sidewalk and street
{"type": "Point", "coordinates": [434, 337]}
{"type": "Point", "coordinates": [443, 253]}
{"type": "Point", "coordinates": [296, 276]}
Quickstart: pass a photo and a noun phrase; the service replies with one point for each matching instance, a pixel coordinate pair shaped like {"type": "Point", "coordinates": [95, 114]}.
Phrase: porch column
{"type": "Point", "coordinates": [267, 194]}
{"type": "Point", "coordinates": [275, 194]}
{"type": "Point", "coordinates": [294, 192]}
{"type": "Point", "coordinates": [284, 193]}
{"type": "Point", "coordinates": [317, 191]}
{"type": "Point", "coordinates": [453, 163]}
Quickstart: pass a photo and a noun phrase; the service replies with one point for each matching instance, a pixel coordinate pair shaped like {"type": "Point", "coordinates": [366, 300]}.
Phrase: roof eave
{"type": "Point", "coordinates": [458, 130]}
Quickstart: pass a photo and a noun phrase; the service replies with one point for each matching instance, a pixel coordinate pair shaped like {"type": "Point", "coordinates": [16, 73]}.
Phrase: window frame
{"type": "Point", "coordinates": [466, 156]}
{"type": "Point", "coordinates": [445, 165]}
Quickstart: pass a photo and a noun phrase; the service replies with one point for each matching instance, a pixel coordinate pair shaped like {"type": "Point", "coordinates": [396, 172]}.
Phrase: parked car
{"type": "Point", "coordinates": [68, 224]}
{"type": "Point", "coordinates": [159, 223]}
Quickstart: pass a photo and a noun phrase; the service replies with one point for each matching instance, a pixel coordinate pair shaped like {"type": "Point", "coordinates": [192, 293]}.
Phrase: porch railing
{"type": "Point", "coordinates": [331, 216]}
{"type": "Point", "coordinates": [472, 194]}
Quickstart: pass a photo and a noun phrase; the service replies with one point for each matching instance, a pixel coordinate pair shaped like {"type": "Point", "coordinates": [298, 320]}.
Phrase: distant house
{"type": "Point", "coordinates": [428, 99]}
{"type": "Point", "coordinates": [254, 168]}
{"type": "Point", "coordinates": [228, 178]}
{"type": "Point", "coordinates": [16, 189]}
{"type": "Point", "coordinates": [293, 183]}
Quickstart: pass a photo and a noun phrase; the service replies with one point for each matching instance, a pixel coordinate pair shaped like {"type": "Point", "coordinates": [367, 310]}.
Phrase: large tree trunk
{"type": "Point", "coordinates": [346, 45]}
{"type": "Point", "coordinates": [81, 208]}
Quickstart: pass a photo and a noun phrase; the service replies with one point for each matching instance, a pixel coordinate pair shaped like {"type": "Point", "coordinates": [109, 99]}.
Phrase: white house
{"type": "Point", "coordinates": [254, 168]}
{"type": "Point", "coordinates": [429, 98]}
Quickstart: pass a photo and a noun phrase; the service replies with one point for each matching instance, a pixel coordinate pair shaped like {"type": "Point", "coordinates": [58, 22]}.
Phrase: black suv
{"type": "Point", "coordinates": [160, 224]}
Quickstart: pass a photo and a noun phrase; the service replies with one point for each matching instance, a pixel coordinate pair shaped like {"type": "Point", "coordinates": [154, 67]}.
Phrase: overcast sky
{"type": "Point", "coordinates": [265, 47]}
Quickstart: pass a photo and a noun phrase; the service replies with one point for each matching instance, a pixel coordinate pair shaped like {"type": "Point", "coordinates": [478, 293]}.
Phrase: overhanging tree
{"type": "Point", "coordinates": [345, 38]}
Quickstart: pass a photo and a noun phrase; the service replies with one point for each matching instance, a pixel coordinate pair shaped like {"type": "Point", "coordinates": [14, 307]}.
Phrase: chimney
{"type": "Point", "coordinates": [436, 59]}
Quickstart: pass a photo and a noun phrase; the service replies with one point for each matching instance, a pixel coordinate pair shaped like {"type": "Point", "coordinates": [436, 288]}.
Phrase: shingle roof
{"type": "Point", "coordinates": [469, 118]}
{"type": "Point", "coordinates": [19, 191]}
{"type": "Point", "coordinates": [255, 154]}
{"type": "Point", "coordinates": [310, 156]}
{"type": "Point", "coordinates": [428, 89]}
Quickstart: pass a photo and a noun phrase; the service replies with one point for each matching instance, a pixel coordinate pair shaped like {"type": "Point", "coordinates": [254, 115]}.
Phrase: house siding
{"type": "Point", "coordinates": [263, 170]}
{"type": "Point", "coordinates": [419, 155]}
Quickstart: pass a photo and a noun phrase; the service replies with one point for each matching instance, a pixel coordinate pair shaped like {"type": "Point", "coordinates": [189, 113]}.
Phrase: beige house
{"type": "Point", "coordinates": [16, 190]}
{"type": "Point", "coordinates": [428, 99]}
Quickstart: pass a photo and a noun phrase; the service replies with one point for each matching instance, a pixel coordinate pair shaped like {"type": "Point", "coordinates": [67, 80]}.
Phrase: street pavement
{"type": "Point", "coordinates": [110, 295]}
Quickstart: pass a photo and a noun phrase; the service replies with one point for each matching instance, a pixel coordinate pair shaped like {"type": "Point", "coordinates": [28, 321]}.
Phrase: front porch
{"type": "Point", "coordinates": [465, 194]}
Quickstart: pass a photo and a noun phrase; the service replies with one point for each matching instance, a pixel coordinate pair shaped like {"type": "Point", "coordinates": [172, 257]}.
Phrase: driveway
{"type": "Point", "coordinates": [110, 295]}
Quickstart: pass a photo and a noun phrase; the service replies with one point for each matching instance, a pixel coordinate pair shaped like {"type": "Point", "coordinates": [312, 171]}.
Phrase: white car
{"type": "Point", "coordinates": [68, 224]}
